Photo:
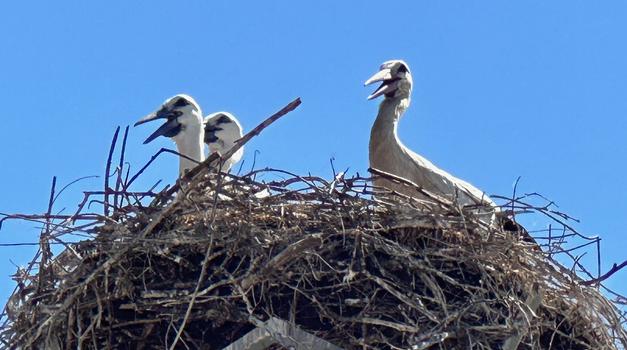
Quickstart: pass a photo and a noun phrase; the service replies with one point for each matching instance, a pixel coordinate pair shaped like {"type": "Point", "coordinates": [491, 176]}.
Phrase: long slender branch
{"type": "Point", "coordinates": [108, 169]}
{"type": "Point", "coordinates": [152, 159]}
{"type": "Point", "coordinates": [404, 181]}
{"type": "Point", "coordinates": [606, 275]}
{"type": "Point", "coordinates": [118, 181]}
{"type": "Point", "coordinates": [44, 244]}
{"type": "Point", "coordinates": [209, 162]}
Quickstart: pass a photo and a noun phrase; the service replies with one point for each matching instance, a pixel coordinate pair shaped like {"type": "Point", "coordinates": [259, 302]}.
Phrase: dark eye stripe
{"type": "Point", "coordinates": [162, 110]}
{"type": "Point", "coordinates": [174, 131]}
{"type": "Point", "coordinates": [212, 128]}
{"type": "Point", "coordinates": [223, 119]}
{"type": "Point", "coordinates": [181, 102]}
{"type": "Point", "coordinates": [210, 138]}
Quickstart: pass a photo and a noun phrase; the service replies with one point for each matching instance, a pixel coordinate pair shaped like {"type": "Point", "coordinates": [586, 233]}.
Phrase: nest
{"type": "Point", "coordinates": [198, 269]}
{"type": "Point", "coordinates": [218, 256]}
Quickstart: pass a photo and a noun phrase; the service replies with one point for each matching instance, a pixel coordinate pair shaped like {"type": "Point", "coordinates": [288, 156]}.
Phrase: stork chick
{"type": "Point", "coordinates": [184, 125]}
{"type": "Point", "coordinates": [388, 153]}
{"type": "Point", "coordinates": [222, 130]}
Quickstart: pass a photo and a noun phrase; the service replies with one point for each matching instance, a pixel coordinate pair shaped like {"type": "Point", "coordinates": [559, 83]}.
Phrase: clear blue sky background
{"type": "Point", "coordinates": [502, 89]}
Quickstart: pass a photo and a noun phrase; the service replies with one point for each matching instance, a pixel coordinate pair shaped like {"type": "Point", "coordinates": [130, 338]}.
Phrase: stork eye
{"type": "Point", "coordinates": [181, 102]}
{"type": "Point", "coordinates": [402, 69]}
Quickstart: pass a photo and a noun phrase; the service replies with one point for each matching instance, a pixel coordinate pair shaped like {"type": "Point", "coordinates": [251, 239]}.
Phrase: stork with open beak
{"type": "Point", "coordinates": [388, 153]}
{"type": "Point", "coordinates": [222, 130]}
{"type": "Point", "coordinates": [183, 124]}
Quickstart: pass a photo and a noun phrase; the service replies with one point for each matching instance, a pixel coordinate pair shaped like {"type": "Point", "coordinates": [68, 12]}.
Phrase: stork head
{"type": "Point", "coordinates": [395, 80]}
{"type": "Point", "coordinates": [222, 130]}
{"type": "Point", "coordinates": [181, 113]}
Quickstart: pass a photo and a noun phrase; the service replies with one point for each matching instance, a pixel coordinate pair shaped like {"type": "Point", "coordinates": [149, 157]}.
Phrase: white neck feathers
{"type": "Point", "coordinates": [190, 142]}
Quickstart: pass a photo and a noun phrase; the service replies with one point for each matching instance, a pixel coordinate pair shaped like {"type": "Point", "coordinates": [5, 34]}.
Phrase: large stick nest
{"type": "Point", "coordinates": [200, 267]}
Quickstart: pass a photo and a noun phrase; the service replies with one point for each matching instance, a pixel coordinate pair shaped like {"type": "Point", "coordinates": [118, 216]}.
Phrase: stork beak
{"type": "Point", "coordinates": [384, 75]}
{"type": "Point", "coordinates": [152, 116]}
{"type": "Point", "coordinates": [167, 129]}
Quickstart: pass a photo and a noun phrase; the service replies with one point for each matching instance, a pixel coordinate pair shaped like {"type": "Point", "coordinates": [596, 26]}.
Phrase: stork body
{"type": "Point", "coordinates": [184, 125]}
{"type": "Point", "coordinates": [221, 131]}
{"type": "Point", "coordinates": [388, 153]}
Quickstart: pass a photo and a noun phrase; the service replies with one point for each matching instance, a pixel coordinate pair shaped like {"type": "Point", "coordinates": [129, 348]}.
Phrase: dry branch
{"type": "Point", "coordinates": [615, 268]}
{"type": "Point", "coordinates": [341, 266]}
{"type": "Point", "coordinates": [205, 265]}
{"type": "Point", "coordinates": [210, 161]}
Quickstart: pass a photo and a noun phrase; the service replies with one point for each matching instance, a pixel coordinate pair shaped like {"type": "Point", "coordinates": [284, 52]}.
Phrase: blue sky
{"type": "Point", "coordinates": [502, 89]}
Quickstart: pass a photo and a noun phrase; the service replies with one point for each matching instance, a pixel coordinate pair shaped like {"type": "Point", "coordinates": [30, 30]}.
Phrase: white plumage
{"type": "Point", "coordinates": [184, 125]}
{"type": "Point", "coordinates": [222, 130]}
{"type": "Point", "coordinates": [388, 153]}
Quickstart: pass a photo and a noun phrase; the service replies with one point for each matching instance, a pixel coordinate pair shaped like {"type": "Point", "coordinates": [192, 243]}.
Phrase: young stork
{"type": "Point", "coordinates": [222, 130]}
{"type": "Point", "coordinates": [184, 125]}
{"type": "Point", "coordinates": [388, 153]}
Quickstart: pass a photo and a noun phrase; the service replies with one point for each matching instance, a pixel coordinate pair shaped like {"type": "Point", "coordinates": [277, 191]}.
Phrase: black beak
{"type": "Point", "coordinates": [169, 129]}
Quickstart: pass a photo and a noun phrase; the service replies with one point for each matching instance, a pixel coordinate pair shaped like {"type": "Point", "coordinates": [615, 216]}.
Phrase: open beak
{"type": "Point", "coordinates": [152, 116]}
{"type": "Point", "coordinates": [388, 84]}
{"type": "Point", "coordinates": [167, 129]}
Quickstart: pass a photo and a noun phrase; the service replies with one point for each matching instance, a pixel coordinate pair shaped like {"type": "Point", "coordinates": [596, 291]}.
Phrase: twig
{"type": "Point", "coordinates": [440, 200]}
{"type": "Point", "coordinates": [239, 144]}
{"type": "Point", "coordinates": [46, 254]}
{"type": "Point", "coordinates": [118, 181]}
{"type": "Point", "coordinates": [205, 263]}
{"type": "Point", "coordinates": [203, 272]}
{"type": "Point", "coordinates": [615, 268]}
{"type": "Point", "coordinates": [290, 253]}
{"type": "Point", "coordinates": [107, 171]}
{"type": "Point", "coordinates": [152, 159]}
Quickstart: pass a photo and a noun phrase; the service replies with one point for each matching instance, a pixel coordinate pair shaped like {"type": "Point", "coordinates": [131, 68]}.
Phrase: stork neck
{"type": "Point", "coordinates": [191, 144]}
{"type": "Point", "coordinates": [390, 111]}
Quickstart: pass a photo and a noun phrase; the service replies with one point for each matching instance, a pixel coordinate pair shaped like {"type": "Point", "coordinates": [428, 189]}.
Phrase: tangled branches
{"type": "Point", "coordinates": [358, 272]}
{"type": "Point", "coordinates": [206, 262]}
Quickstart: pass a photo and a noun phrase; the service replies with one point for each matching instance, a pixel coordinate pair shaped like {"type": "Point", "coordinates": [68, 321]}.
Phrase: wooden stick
{"type": "Point", "coordinates": [107, 170]}
{"type": "Point", "coordinates": [605, 276]}
{"type": "Point", "coordinates": [209, 162]}
{"type": "Point", "coordinates": [420, 189]}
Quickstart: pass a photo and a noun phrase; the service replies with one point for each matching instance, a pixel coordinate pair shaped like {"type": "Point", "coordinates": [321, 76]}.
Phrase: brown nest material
{"type": "Point", "coordinates": [196, 270]}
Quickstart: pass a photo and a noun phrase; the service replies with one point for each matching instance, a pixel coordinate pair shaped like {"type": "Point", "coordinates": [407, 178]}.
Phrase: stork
{"type": "Point", "coordinates": [222, 130]}
{"type": "Point", "coordinates": [184, 125]}
{"type": "Point", "coordinates": [388, 153]}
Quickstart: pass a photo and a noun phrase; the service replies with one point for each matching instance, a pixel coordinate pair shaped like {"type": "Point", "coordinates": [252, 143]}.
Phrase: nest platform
{"type": "Point", "coordinates": [201, 267]}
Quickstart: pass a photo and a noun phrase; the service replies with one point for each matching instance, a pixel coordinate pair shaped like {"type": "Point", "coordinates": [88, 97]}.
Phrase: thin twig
{"type": "Point", "coordinates": [615, 268]}
{"type": "Point", "coordinates": [118, 181]}
{"type": "Point", "coordinates": [108, 170]}
{"type": "Point", "coordinates": [209, 162]}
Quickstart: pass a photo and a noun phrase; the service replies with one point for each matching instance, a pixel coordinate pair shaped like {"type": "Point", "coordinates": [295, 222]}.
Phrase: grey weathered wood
{"type": "Point", "coordinates": [277, 331]}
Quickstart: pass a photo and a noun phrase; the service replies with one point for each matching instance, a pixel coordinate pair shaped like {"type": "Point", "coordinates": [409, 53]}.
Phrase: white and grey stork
{"type": "Point", "coordinates": [222, 130]}
{"type": "Point", "coordinates": [184, 125]}
{"type": "Point", "coordinates": [388, 153]}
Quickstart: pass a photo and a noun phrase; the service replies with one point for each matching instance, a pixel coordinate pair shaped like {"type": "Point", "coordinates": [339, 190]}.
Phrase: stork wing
{"type": "Point", "coordinates": [445, 183]}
